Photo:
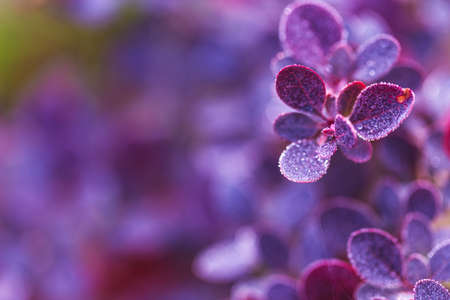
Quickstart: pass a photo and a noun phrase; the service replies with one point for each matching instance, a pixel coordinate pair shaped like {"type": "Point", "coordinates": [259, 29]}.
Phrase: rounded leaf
{"type": "Point", "coordinates": [329, 279]}
{"type": "Point", "coordinates": [228, 260]}
{"type": "Point", "coordinates": [380, 109]}
{"type": "Point", "coordinates": [428, 289]}
{"type": "Point", "coordinates": [347, 97]}
{"type": "Point", "coordinates": [295, 126]}
{"type": "Point", "coordinates": [273, 251]}
{"type": "Point", "coordinates": [360, 153]}
{"type": "Point", "coordinates": [328, 148]}
{"type": "Point", "coordinates": [387, 202]}
{"type": "Point", "coordinates": [416, 234]}
{"type": "Point", "coordinates": [330, 107]}
{"type": "Point", "coordinates": [440, 261]}
{"type": "Point", "coordinates": [309, 29]}
{"type": "Point", "coordinates": [447, 139]}
{"type": "Point", "coordinates": [340, 219]}
{"type": "Point", "coordinates": [300, 162]}
{"type": "Point", "coordinates": [344, 132]}
{"type": "Point", "coordinates": [376, 257]}
{"type": "Point", "coordinates": [408, 76]}
{"type": "Point", "coordinates": [301, 88]}
{"type": "Point", "coordinates": [424, 198]}
{"type": "Point", "coordinates": [376, 57]}
{"type": "Point", "coordinates": [282, 289]}
{"type": "Point", "coordinates": [341, 61]}
{"type": "Point", "coordinates": [415, 269]}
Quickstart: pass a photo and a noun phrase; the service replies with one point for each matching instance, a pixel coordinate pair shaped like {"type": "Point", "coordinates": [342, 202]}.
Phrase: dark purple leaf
{"type": "Point", "coordinates": [282, 289]}
{"type": "Point", "coordinates": [340, 219]}
{"type": "Point", "coordinates": [295, 126]}
{"type": "Point", "coordinates": [407, 76]}
{"type": "Point", "coordinates": [360, 153]}
{"type": "Point", "coordinates": [301, 88]}
{"type": "Point", "coordinates": [228, 260]}
{"type": "Point", "coordinates": [329, 279]}
{"type": "Point", "coordinates": [308, 30]}
{"type": "Point", "coordinates": [424, 198]}
{"type": "Point", "coordinates": [376, 257]}
{"type": "Point", "coordinates": [327, 148]}
{"type": "Point", "coordinates": [347, 97]}
{"type": "Point", "coordinates": [330, 107]}
{"type": "Point", "coordinates": [344, 132]}
{"type": "Point", "coordinates": [300, 162]}
{"type": "Point", "coordinates": [341, 61]}
{"type": "Point", "coordinates": [416, 234]}
{"type": "Point", "coordinates": [376, 57]}
{"type": "Point", "coordinates": [380, 109]}
{"type": "Point", "coordinates": [440, 261]}
{"type": "Point", "coordinates": [447, 139]}
{"type": "Point", "coordinates": [273, 251]}
{"type": "Point", "coordinates": [428, 289]}
{"type": "Point", "coordinates": [415, 269]}
{"type": "Point", "coordinates": [388, 204]}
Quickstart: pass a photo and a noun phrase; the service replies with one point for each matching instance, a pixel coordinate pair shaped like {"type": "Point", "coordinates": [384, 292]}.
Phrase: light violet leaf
{"type": "Point", "coordinates": [428, 289]}
{"type": "Point", "coordinates": [380, 109]}
{"type": "Point", "coordinates": [344, 132]}
{"type": "Point", "coordinates": [301, 88]}
{"type": "Point", "coordinates": [416, 234]}
{"type": "Point", "coordinates": [423, 197]}
{"type": "Point", "coordinates": [415, 268]}
{"type": "Point", "coordinates": [327, 148]}
{"type": "Point", "coordinates": [295, 126]}
{"type": "Point", "coordinates": [280, 288]}
{"type": "Point", "coordinates": [329, 279]}
{"type": "Point", "coordinates": [376, 57]}
{"type": "Point", "coordinates": [360, 153]}
{"type": "Point", "coordinates": [300, 162]}
{"type": "Point", "coordinates": [347, 97]}
{"type": "Point", "coordinates": [376, 257]}
{"type": "Point", "coordinates": [228, 260]}
{"type": "Point", "coordinates": [440, 261]}
{"type": "Point", "coordinates": [309, 29]}
{"type": "Point", "coordinates": [366, 291]}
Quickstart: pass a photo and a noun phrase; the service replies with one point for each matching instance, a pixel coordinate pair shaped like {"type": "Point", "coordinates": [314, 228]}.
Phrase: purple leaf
{"type": "Point", "coordinates": [347, 97]}
{"type": "Point", "coordinates": [340, 219]}
{"type": "Point", "coordinates": [344, 132]}
{"type": "Point", "coordinates": [424, 198]}
{"type": "Point", "coordinates": [376, 57]}
{"type": "Point", "coordinates": [301, 88]}
{"type": "Point", "coordinates": [273, 251]}
{"type": "Point", "coordinates": [330, 107]}
{"type": "Point", "coordinates": [228, 260]}
{"type": "Point", "coordinates": [329, 279]}
{"type": "Point", "coordinates": [407, 76]}
{"type": "Point", "coordinates": [415, 268]}
{"type": "Point", "coordinates": [341, 60]}
{"type": "Point", "coordinates": [279, 61]}
{"type": "Point", "coordinates": [428, 289]}
{"type": "Point", "coordinates": [416, 234]}
{"type": "Point", "coordinates": [368, 292]}
{"type": "Point", "coordinates": [440, 261]}
{"type": "Point", "coordinates": [376, 257]}
{"type": "Point", "coordinates": [295, 126]}
{"type": "Point", "coordinates": [328, 148]}
{"type": "Point", "coordinates": [360, 153]}
{"type": "Point", "coordinates": [380, 109]}
{"type": "Point", "coordinates": [388, 204]}
{"type": "Point", "coordinates": [308, 30]}
{"type": "Point", "coordinates": [282, 289]}
{"type": "Point", "coordinates": [300, 162]}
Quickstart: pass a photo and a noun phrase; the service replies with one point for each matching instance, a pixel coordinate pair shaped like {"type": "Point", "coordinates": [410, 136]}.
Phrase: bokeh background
{"type": "Point", "coordinates": [133, 134]}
